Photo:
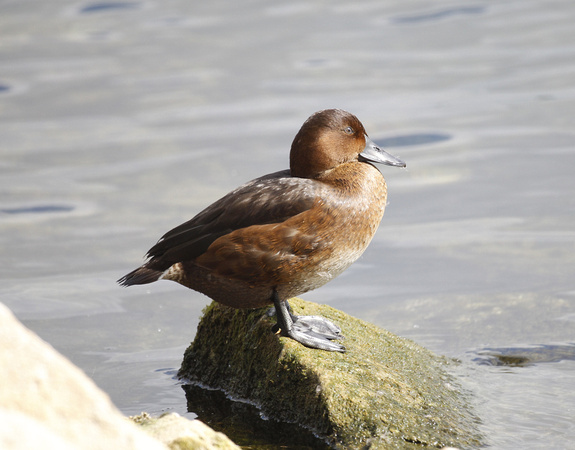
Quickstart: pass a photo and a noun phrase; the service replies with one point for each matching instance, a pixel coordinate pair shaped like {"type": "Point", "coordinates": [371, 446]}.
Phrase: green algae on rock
{"type": "Point", "coordinates": [385, 392]}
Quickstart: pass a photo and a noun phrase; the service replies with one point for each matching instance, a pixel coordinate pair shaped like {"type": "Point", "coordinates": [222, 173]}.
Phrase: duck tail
{"type": "Point", "coordinates": [142, 275]}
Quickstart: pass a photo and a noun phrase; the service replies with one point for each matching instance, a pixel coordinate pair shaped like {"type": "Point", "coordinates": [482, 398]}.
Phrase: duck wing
{"type": "Point", "coordinates": [269, 199]}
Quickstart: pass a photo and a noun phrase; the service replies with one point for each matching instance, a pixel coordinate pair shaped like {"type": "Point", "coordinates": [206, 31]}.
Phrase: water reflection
{"type": "Point", "coordinates": [105, 6]}
{"type": "Point", "coordinates": [439, 15]}
{"type": "Point", "coordinates": [39, 209]}
{"type": "Point", "coordinates": [413, 139]}
{"type": "Point", "coordinates": [244, 424]}
{"type": "Point", "coordinates": [526, 356]}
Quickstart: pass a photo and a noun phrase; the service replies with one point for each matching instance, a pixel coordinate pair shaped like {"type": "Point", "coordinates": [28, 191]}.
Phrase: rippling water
{"type": "Point", "coordinates": [119, 120]}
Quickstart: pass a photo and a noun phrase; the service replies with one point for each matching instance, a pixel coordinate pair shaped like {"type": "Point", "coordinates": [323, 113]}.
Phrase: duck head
{"type": "Point", "coordinates": [332, 137]}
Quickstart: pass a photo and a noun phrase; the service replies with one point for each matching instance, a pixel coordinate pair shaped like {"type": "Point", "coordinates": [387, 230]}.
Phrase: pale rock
{"type": "Point", "coordinates": [47, 402]}
{"type": "Point", "coordinates": [180, 433]}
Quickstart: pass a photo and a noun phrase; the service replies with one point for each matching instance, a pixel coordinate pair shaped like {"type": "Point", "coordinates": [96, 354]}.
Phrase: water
{"type": "Point", "coordinates": [120, 120]}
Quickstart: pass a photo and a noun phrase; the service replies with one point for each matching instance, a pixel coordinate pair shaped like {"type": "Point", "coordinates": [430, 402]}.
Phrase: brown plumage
{"type": "Point", "coordinates": [286, 233]}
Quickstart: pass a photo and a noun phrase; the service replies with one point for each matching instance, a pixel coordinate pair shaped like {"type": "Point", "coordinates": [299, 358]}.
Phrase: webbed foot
{"type": "Point", "coordinates": [311, 331]}
{"type": "Point", "coordinates": [319, 325]}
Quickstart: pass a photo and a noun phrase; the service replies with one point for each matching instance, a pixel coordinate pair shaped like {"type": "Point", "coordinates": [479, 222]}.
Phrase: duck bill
{"type": "Point", "coordinates": [374, 154]}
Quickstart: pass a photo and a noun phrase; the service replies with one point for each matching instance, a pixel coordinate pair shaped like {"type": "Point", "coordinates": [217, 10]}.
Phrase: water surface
{"type": "Point", "coordinates": [120, 120]}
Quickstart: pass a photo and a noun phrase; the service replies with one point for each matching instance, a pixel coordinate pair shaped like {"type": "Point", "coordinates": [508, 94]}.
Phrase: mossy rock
{"type": "Point", "coordinates": [384, 392]}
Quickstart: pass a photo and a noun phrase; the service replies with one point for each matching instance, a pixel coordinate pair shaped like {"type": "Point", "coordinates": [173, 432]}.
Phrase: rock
{"type": "Point", "coordinates": [179, 433]}
{"type": "Point", "coordinates": [385, 392]}
{"type": "Point", "coordinates": [22, 432]}
{"type": "Point", "coordinates": [46, 402]}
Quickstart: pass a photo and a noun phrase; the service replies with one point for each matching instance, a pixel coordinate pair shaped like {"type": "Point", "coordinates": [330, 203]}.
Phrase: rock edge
{"type": "Point", "coordinates": [385, 392]}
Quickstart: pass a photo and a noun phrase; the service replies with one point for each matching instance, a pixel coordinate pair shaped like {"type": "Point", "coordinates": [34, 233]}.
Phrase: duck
{"type": "Point", "coordinates": [285, 233]}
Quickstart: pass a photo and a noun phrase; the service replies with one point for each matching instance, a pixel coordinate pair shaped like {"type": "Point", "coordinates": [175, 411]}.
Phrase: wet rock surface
{"type": "Point", "coordinates": [385, 391]}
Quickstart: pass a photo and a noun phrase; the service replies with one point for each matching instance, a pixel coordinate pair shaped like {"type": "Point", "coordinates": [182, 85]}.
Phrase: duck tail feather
{"type": "Point", "coordinates": [142, 275]}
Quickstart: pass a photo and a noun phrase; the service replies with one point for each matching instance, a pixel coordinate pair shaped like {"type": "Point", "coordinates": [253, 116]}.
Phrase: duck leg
{"type": "Point", "coordinates": [311, 331]}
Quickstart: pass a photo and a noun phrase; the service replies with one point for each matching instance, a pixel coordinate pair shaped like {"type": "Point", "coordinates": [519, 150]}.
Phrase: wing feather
{"type": "Point", "coordinates": [270, 199]}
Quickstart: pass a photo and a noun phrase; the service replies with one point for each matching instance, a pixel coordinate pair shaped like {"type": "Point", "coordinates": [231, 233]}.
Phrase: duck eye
{"type": "Point", "coordinates": [348, 130]}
